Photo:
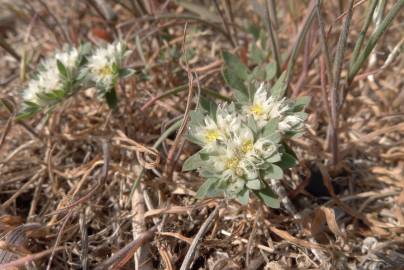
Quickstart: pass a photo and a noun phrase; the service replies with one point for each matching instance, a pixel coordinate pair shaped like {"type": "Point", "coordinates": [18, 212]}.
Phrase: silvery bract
{"type": "Point", "coordinates": [242, 145]}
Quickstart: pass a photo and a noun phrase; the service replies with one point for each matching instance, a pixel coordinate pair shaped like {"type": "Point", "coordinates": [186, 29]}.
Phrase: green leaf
{"type": "Point", "coordinates": [126, 72]}
{"type": "Point", "coordinates": [287, 161]}
{"type": "Point", "coordinates": [254, 30]}
{"type": "Point", "coordinates": [275, 137]}
{"type": "Point", "coordinates": [197, 117]}
{"type": "Point", "coordinates": [268, 197]}
{"type": "Point", "coordinates": [62, 69]}
{"type": "Point", "coordinates": [209, 106]}
{"type": "Point", "coordinates": [301, 103]}
{"type": "Point", "coordinates": [205, 187]}
{"type": "Point", "coordinates": [302, 115]}
{"type": "Point", "coordinates": [258, 74]}
{"type": "Point", "coordinates": [192, 163]}
{"type": "Point", "coordinates": [252, 124]}
{"type": "Point", "coordinates": [270, 71]}
{"type": "Point", "coordinates": [111, 98]}
{"type": "Point", "coordinates": [279, 88]}
{"type": "Point", "coordinates": [243, 196]}
{"type": "Point", "coordinates": [254, 184]}
{"type": "Point", "coordinates": [289, 150]}
{"type": "Point", "coordinates": [274, 172]}
{"type": "Point", "coordinates": [236, 67]}
{"type": "Point", "coordinates": [194, 140]}
{"type": "Point", "coordinates": [256, 55]}
{"type": "Point", "coordinates": [271, 127]}
{"type": "Point", "coordinates": [115, 69]}
{"type": "Point", "coordinates": [237, 84]}
{"type": "Point", "coordinates": [27, 113]}
{"type": "Point", "coordinates": [235, 187]}
{"type": "Point", "coordinates": [85, 48]}
{"type": "Point", "coordinates": [274, 158]}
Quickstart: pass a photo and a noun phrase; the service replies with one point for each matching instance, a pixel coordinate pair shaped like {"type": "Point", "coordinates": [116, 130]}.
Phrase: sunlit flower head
{"type": "Point", "coordinates": [260, 106]}
{"type": "Point", "coordinates": [103, 66]}
{"type": "Point", "coordinates": [226, 163]}
{"type": "Point", "coordinates": [46, 81]}
{"type": "Point", "coordinates": [208, 133]}
{"type": "Point", "coordinates": [244, 141]}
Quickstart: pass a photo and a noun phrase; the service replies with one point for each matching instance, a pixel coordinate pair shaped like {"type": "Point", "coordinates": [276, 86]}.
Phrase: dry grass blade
{"type": "Point", "coordinates": [16, 238]}
{"type": "Point", "coordinates": [152, 158]}
{"type": "Point", "coordinates": [179, 209]}
{"type": "Point", "coordinates": [328, 214]}
{"type": "Point", "coordinates": [138, 227]}
{"type": "Point", "coordinates": [28, 258]}
{"type": "Point", "coordinates": [122, 256]}
{"type": "Point", "coordinates": [296, 241]}
{"type": "Point", "coordinates": [192, 249]}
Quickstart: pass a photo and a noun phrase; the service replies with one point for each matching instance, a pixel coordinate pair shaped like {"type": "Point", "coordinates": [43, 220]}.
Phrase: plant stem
{"type": "Point", "coordinates": [303, 31]}
{"type": "Point", "coordinates": [337, 67]}
{"type": "Point", "coordinates": [323, 42]}
{"type": "Point", "coordinates": [368, 20]}
{"type": "Point", "coordinates": [374, 38]}
{"type": "Point", "coordinates": [273, 40]}
{"type": "Point", "coordinates": [225, 23]}
{"type": "Point", "coordinates": [9, 49]}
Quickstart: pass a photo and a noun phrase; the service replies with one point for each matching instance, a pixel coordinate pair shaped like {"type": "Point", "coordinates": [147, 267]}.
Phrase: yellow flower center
{"type": "Point", "coordinates": [105, 71]}
{"type": "Point", "coordinates": [232, 163]}
{"type": "Point", "coordinates": [247, 146]}
{"type": "Point", "coordinates": [257, 110]}
{"type": "Point", "coordinates": [212, 135]}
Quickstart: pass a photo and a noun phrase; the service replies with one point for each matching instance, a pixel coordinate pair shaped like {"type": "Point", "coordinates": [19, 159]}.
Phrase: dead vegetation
{"type": "Point", "coordinates": [89, 188]}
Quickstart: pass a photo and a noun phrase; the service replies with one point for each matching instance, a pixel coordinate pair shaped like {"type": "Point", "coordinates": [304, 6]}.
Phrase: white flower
{"type": "Point", "coordinates": [265, 107]}
{"type": "Point", "coordinates": [209, 133]}
{"type": "Point", "coordinates": [226, 163]}
{"type": "Point", "coordinates": [103, 66]}
{"type": "Point", "coordinates": [244, 141]}
{"type": "Point", "coordinates": [47, 80]}
{"type": "Point", "coordinates": [235, 160]}
{"type": "Point", "coordinates": [68, 58]}
{"type": "Point", "coordinates": [260, 107]}
{"type": "Point", "coordinates": [278, 108]}
{"type": "Point", "coordinates": [227, 122]}
{"type": "Point", "coordinates": [30, 93]}
{"type": "Point", "coordinates": [290, 122]}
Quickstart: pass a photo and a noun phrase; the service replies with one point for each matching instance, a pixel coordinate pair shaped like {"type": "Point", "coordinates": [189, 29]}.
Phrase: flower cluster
{"type": "Point", "coordinates": [242, 144]}
{"type": "Point", "coordinates": [54, 80]}
{"type": "Point", "coordinates": [71, 70]}
{"type": "Point", "coordinates": [105, 65]}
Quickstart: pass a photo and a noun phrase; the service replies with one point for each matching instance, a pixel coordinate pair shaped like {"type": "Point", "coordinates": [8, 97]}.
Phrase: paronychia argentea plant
{"type": "Point", "coordinates": [243, 143]}
{"type": "Point", "coordinates": [69, 71]}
